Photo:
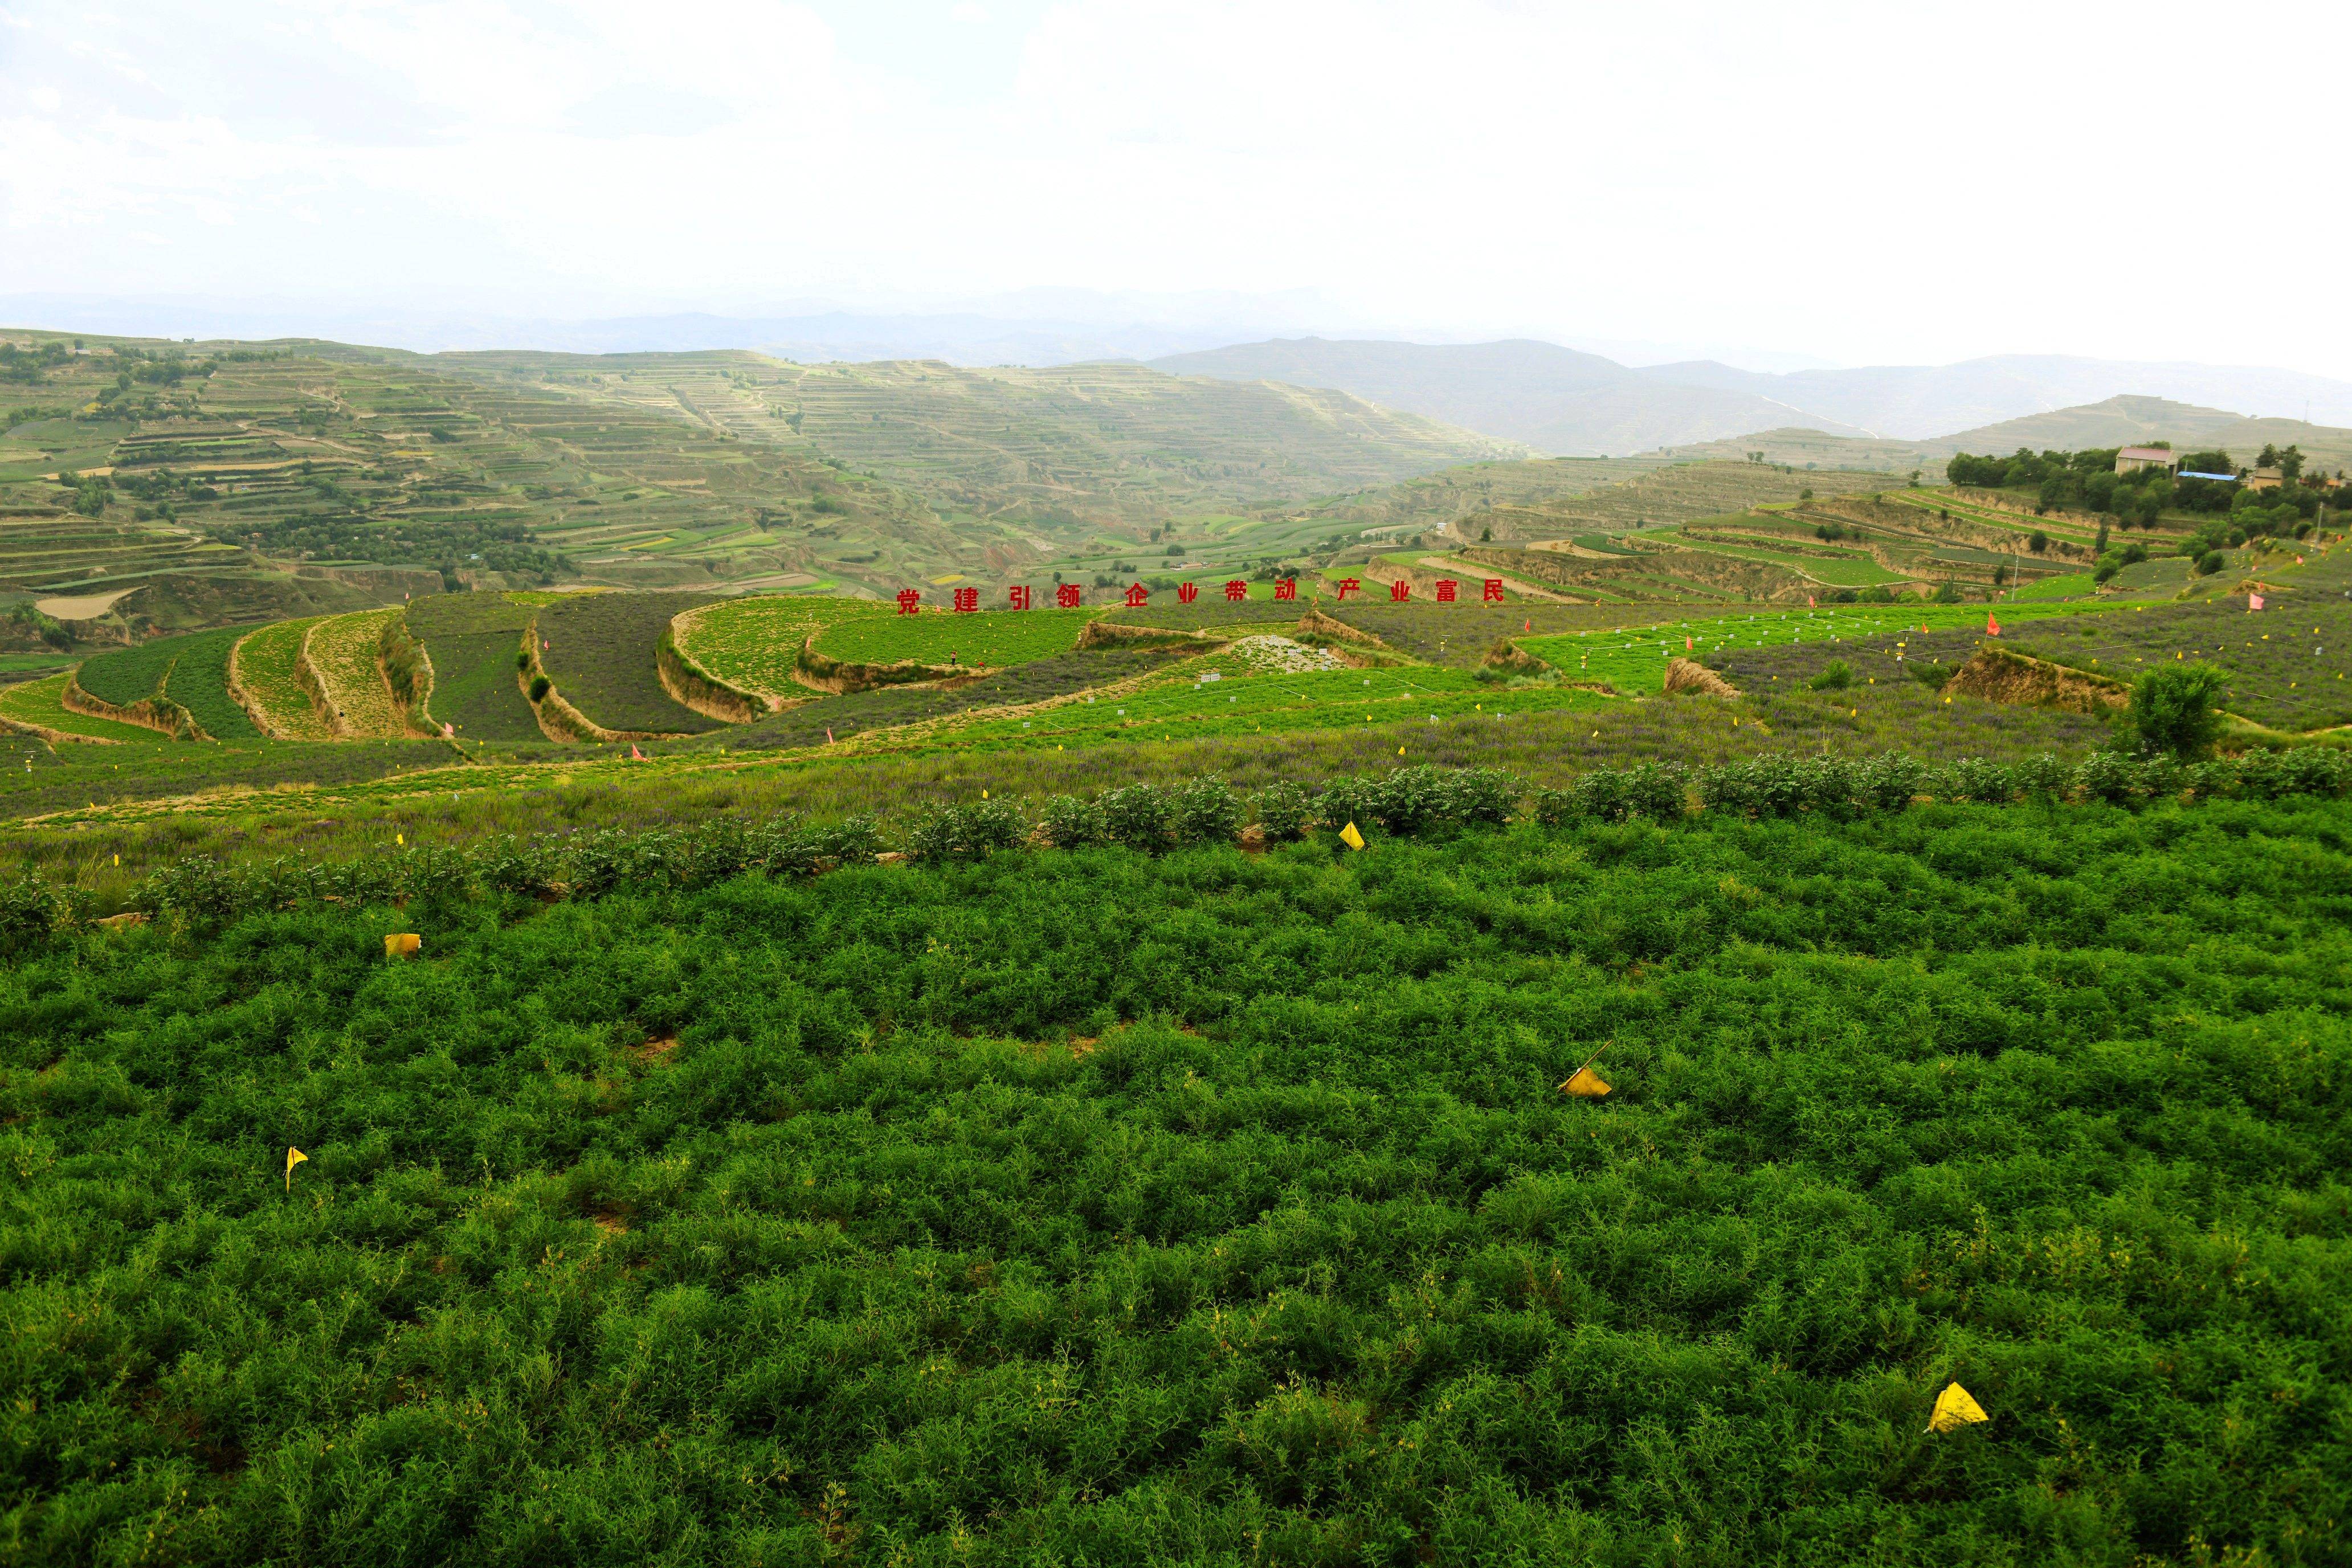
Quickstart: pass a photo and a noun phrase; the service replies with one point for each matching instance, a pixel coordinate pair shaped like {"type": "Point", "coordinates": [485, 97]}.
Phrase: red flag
{"type": "Point", "coordinates": [828, 734]}
{"type": "Point", "coordinates": [1689, 647]}
{"type": "Point", "coordinates": [635, 755]}
{"type": "Point", "coordinates": [2253, 601]}
{"type": "Point", "coordinates": [1809, 603]}
{"type": "Point", "coordinates": [1991, 626]}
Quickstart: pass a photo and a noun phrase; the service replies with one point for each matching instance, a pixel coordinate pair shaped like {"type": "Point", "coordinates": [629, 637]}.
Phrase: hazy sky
{"type": "Point", "coordinates": [1870, 184]}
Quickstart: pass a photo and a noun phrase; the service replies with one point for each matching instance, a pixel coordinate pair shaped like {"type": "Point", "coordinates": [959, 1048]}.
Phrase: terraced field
{"type": "Point", "coordinates": [753, 644]}
{"type": "Point", "coordinates": [990, 639]}
{"type": "Point", "coordinates": [265, 664]}
{"type": "Point", "coordinates": [602, 651]}
{"type": "Point", "coordinates": [126, 676]}
{"type": "Point", "coordinates": [472, 640]}
{"type": "Point", "coordinates": [840, 717]}
{"type": "Point", "coordinates": [42, 702]}
{"type": "Point", "coordinates": [344, 650]}
{"type": "Point", "coordinates": [2288, 665]}
{"type": "Point", "coordinates": [191, 672]}
{"type": "Point", "coordinates": [1682, 493]}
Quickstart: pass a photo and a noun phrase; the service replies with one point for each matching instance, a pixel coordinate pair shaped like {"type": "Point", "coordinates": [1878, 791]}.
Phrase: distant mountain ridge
{"type": "Point", "coordinates": [1569, 402]}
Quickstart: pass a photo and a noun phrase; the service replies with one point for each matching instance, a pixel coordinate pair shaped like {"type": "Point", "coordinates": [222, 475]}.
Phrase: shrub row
{"type": "Point", "coordinates": [204, 892]}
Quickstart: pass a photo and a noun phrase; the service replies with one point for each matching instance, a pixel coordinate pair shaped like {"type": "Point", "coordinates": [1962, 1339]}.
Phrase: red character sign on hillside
{"type": "Point", "coordinates": [1019, 596]}
{"type": "Point", "coordinates": [1236, 591]}
{"type": "Point", "coordinates": [1138, 595]}
{"type": "Point", "coordinates": [907, 600]}
{"type": "Point", "coordinates": [1066, 596]}
{"type": "Point", "coordinates": [1494, 591]}
{"type": "Point", "coordinates": [1399, 591]}
{"type": "Point", "coordinates": [1347, 586]}
{"type": "Point", "coordinates": [1445, 586]}
{"type": "Point", "coordinates": [1186, 593]}
{"type": "Point", "coordinates": [1286, 588]}
{"type": "Point", "coordinates": [967, 600]}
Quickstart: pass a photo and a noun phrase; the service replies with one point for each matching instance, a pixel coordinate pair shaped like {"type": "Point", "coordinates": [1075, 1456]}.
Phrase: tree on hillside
{"type": "Point", "coordinates": [2172, 709]}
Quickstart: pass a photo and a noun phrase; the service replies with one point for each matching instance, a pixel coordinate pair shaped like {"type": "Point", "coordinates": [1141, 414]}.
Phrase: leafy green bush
{"type": "Point", "coordinates": [1138, 817]}
{"type": "Point", "coordinates": [2172, 709]}
{"type": "Point", "coordinates": [1975, 779]}
{"type": "Point", "coordinates": [972, 831]}
{"type": "Point", "coordinates": [1204, 811]}
{"type": "Point", "coordinates": [1074, 822]}
{"type": "Point", "coordinates": [1284, 811]}
{"type": "Point", "coordinates": [29, 914]}
{"type": "Point", "coordinates": [1835, 676]}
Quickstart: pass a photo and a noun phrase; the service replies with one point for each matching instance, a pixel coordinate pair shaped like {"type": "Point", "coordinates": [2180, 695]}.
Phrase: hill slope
{"type": "Point", "coordinates": [1554, 399]}
{"type": "Point", "coordinates": [1560, 401]}
{"type": "Point", "coordinates": [649, 470]}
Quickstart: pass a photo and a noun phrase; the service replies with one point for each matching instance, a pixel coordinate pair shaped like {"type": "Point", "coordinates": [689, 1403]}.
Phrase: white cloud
{"type": "Point", "coordinates": [1872, 182]}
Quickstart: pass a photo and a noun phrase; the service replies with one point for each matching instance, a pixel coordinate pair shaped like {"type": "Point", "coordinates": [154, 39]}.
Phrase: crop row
{"type": "Point", "coordinates": [1403, 802]}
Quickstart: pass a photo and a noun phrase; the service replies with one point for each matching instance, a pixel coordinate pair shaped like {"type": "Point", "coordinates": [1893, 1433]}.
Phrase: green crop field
{"type": "Point", "coordinates": [1213, 1206]}
{"type": "Point", "coordinates": [472, 640]}
{"type": "Point", "coordinates": [599, 649]}
{"type": "Point", "coordinates": [198, 682]}
{"type": "Point", "coordinates": [42, 702]}
{"type": "Point", "coordinates": [991, 637]}
{"type": "Point", "coordinates": [2286, 665]}
{"type": "Point", "coordinates": [266, 668]}
{"type": "Point", "coordinates": [129, 675]}
{"type": "Point", "coordinates": [754, 644]}
{"type": "Point", "coordinates": [191, 672]}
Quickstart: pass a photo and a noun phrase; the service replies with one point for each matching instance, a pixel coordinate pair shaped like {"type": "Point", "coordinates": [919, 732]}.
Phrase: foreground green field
{"type": "Point", "coordinates": [1214, 1207]}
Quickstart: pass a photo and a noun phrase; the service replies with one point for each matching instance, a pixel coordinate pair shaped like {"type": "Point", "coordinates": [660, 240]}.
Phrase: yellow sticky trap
{"type": "Point", "coordinates": [293, 1157]}
{"type": "Point", "coordinates": [1955, 1409]}
{"type": "Point", "coordinates": [1585, 1084]}
{"type": "Point", "coordinates": [402, 944]}
{"type": "Point", "coordinates": [1350, 837]}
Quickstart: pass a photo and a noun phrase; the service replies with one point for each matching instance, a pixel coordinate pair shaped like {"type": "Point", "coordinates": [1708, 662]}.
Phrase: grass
{"type": "Point", "coordinates": [983, 637]}
{"type": "Point", "coordinates": [753, 644]}
{"type": "Point", "coordinates": [600, 652]}
{"type": "Point", "coordinates": [344, 651]}
{"type": "Point", "coordinates": [472, 640]}
{"type": "Point", "coordinates": [265, 668]}
{"type": "Point", "coordinates": [42, 702]}
{"type": "Point", "coordinates": [1217, 1208]}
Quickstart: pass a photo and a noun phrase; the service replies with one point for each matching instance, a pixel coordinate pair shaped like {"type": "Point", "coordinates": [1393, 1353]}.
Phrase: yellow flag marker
{"type": "Point", "coordinates": [400, 838]}
{"type": "Point", "coordinates": [1399, 751]}
{"type": "Point", "coordinates": [983, 795]}
{"type": "Point", "coordinates": [1955, 1409]}
{"type": "Point", "coordinates": [402, 944]}
{"type": "Point", "coordinates": [1350, 837]}
{"type": "Point", "coordinates": [295, 1157]}
{"type": "Point", "coordinates": [1584, 1083]}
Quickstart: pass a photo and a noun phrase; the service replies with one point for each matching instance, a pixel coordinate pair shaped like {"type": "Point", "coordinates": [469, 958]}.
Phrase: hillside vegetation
{"type": "Point", "coordinates": [373, 470]}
